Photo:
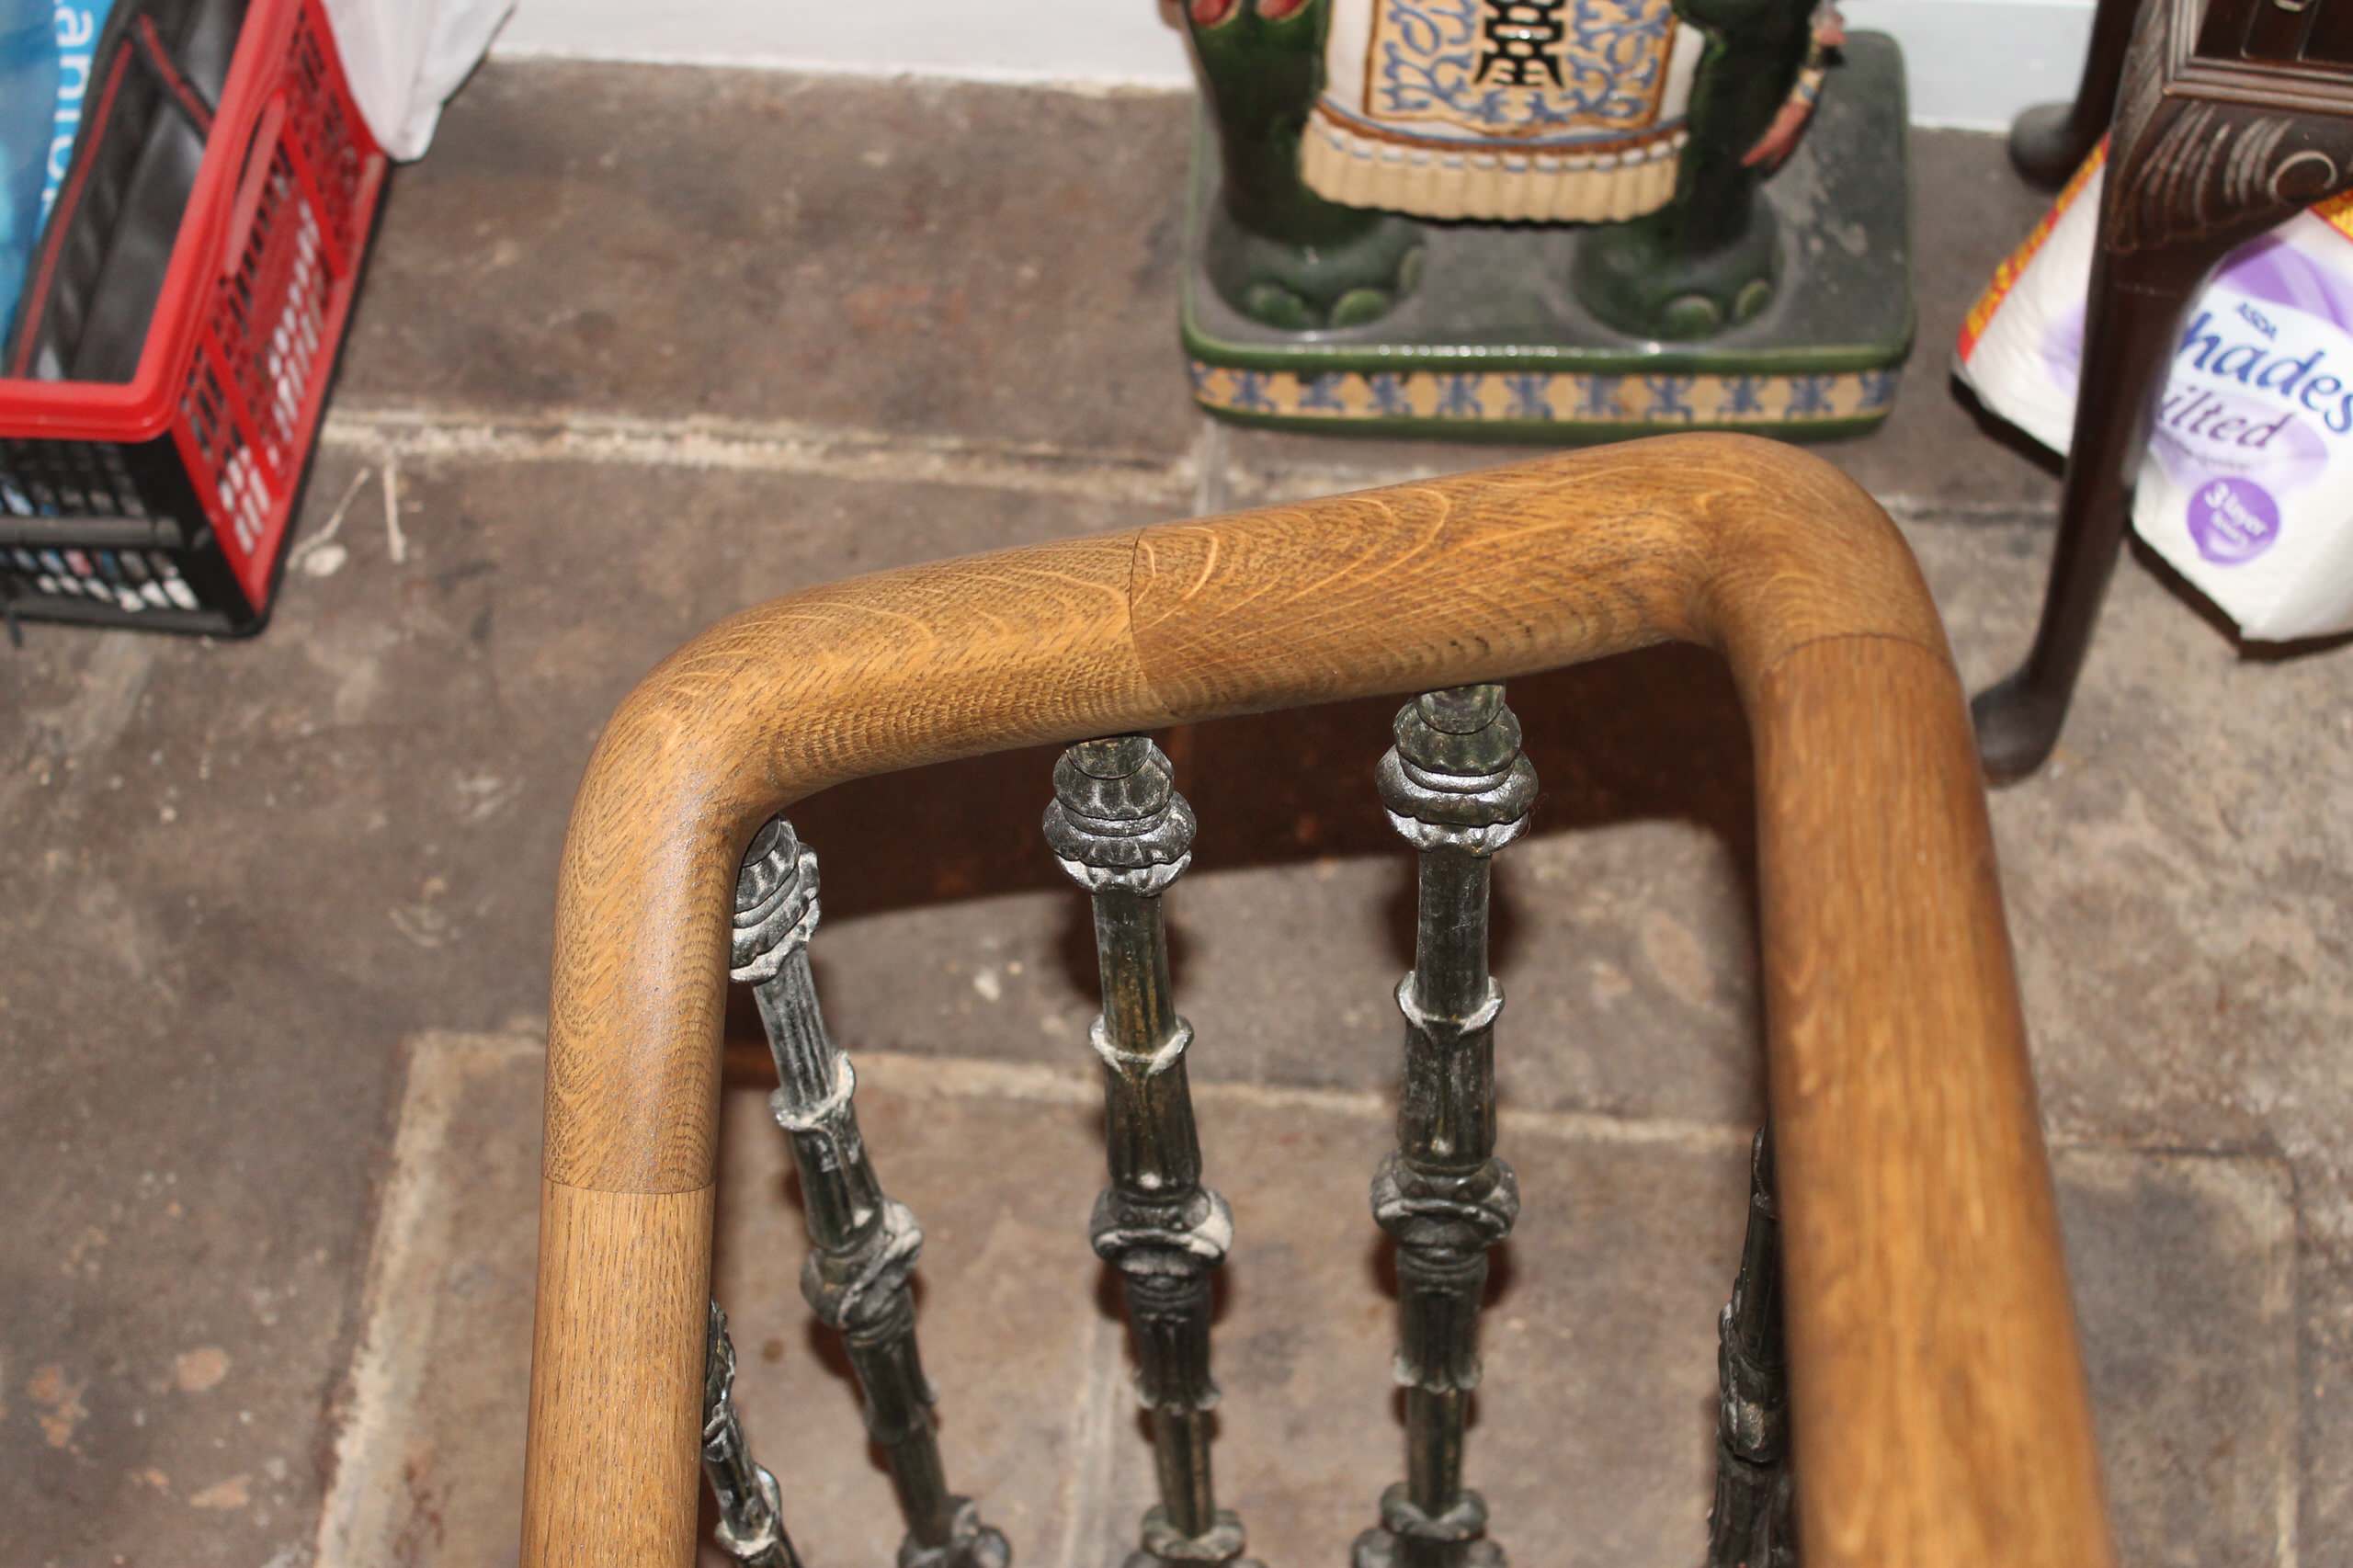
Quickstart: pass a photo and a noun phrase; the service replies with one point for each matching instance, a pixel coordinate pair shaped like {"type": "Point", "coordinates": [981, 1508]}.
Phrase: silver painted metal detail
{"type": "Point", "coordinates": [751, 1510]}
{"type": "Point", "coordinates": [1752, 1524]}
{"type": "Point", "coordinates": [776, 902]}
{"type": "Point", "coordinates": [1458, 788]}
{"type": "Point", "coordinates": [863, 1244]}
{"type": "Point", "coordinates": [1118, 829]}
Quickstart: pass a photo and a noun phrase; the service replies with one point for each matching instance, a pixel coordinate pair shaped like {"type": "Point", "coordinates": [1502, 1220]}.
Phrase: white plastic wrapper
{"type": "Point", "coordinates": [405, 57]}
{"type": "Point", "coordinates": [2247, 487]}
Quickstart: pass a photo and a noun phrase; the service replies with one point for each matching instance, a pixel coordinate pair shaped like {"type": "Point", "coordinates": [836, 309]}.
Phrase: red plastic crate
{"type": "Point", "coordinates": [163, 501]}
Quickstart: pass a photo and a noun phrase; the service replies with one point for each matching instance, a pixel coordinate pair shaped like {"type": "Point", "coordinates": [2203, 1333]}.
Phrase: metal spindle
{"type": "Point", "coordinates": [864, 1244]}
{"type": "Point", "coordinates": [1750, 1526]}
{"type": "Point", "coordinates": [1121, 832]}
{"type": "Point", "coordinates": [751, 1510]}
{"type": "Point", "coordinates": [1458, 789]}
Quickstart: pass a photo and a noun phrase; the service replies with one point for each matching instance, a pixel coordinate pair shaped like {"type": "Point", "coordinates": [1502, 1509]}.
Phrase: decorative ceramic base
{"type": "Point", "coordinates": [1491, 346]}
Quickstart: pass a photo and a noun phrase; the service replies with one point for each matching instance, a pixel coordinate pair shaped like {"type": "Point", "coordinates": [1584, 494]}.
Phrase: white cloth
{"type": "Point", "coordinates": [405, 57]}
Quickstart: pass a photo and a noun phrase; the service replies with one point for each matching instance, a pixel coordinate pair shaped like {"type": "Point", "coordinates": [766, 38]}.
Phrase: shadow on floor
{"type": "Point", "coordinates": [1653, 735]}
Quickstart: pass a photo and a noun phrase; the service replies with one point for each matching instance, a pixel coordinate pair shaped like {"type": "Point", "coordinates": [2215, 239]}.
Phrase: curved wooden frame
{"type": "Point", "coordinates": [1939, 1408]}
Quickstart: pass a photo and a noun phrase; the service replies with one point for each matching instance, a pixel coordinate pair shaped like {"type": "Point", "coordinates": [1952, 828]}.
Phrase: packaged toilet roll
{"type": "Point", "coordinates": [2248, 487]}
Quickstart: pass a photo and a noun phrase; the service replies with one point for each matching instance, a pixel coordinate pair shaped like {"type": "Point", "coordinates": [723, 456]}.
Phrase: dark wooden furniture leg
{"type": "Point", "coordinates": [2135, 307]}
{"type": "Point", "coordinates": [2050, 141]}
{"type": "Point", "coordinates": [2223, 127]}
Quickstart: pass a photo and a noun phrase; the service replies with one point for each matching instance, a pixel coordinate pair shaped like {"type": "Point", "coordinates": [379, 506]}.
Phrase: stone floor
{"type": "Point", "coordinates": [639, 346]}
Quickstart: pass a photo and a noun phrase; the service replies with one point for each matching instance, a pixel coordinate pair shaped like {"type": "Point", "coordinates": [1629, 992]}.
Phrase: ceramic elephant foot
{"type": "Point", "coordinates": [1639, 278]}
{"type": "Point", "coordinates": [1357, 278]}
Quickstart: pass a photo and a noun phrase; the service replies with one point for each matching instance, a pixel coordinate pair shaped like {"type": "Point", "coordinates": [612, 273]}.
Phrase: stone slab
{"type": "Point", "coordinates": [1592, 1439]}
{"type": "Point", "coordinates": [240, 874]}
{"type": "Point", "coordinates": [913, 257]}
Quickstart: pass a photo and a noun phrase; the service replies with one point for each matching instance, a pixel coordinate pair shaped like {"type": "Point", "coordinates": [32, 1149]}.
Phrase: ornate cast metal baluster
{"type": "Point", "coordinates": [1122, 833]}
{"type": "Point", "coordinates": [751, 1512]}
{"type": "Point", "coordinates": [1750, 1526]}
{"type": "Point", "coordinates": [1458, 788]}
{"type": "Point", "coordinates": [865, 1245]}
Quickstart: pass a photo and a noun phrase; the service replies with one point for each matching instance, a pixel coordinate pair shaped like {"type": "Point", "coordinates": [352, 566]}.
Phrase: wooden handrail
{"type": "Point", "coordinates": [1939, 1413]}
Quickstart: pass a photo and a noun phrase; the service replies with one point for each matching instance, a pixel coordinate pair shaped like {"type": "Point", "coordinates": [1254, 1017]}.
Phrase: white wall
{"type": "Point", "coordinates": [1972, 63]}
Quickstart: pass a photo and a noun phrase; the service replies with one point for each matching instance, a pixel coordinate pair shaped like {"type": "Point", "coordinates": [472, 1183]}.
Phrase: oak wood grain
{"type": "Point", "coordinates": [1940, 1406]}
{"type": "Point", "coordinates": [835, 683]}
{"type": "Point", "coordinates": [616, 1358]}
{"type": "Point", "coordinates": [1938, 1403]}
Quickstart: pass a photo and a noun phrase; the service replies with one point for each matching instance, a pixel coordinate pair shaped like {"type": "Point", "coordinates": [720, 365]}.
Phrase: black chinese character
{"type": "Point", "coordinates": [1522, 36]}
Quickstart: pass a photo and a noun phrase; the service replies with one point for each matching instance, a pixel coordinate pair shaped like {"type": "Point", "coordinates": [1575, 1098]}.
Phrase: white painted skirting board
{"type": "Point", "coordinates": [1973, 63]}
